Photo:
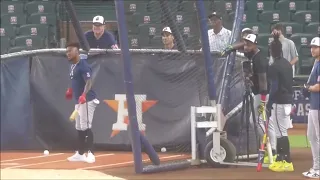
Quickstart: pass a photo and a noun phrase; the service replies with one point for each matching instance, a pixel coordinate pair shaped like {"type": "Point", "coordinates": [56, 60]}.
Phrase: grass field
{"type": "Point", "coordinates": [298, 141]}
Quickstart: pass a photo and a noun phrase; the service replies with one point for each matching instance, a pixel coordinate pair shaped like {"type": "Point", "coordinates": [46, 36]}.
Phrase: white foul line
{"type": "Point", "coordinates": [32, 157]}
{"type": "Point", "coordinates": [128, 162]}
{"type": "Point", "coordinates": [49, 162]}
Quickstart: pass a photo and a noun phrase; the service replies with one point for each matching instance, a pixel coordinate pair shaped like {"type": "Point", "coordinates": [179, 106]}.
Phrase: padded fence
{"type": "Point", "coordinates": [166, 94]}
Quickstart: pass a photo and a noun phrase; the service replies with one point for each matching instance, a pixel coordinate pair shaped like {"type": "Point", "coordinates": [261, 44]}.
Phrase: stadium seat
{"type": "Point", "coordinates": [275, 16]}
{"type": "Point", "coordinates": [8, 31]}
{"type": "Point", "coordinates": [265, 5]}
{"type": "Point", "coordinates": [291, 28]}
{"type": "Point", "coordinates": [41, 7]}
{"type": "Point", "coordinates": [192, 42]}
{"type": "Point", "coordinates": [19, 49]}
{"type": "Point", "coordinates": [313, 28]}
{"type": "Point", "coordinates": [132, 29]}
{"type": "Point", "coordinates": [251, 7]}
{"type": "Point", "coordinates": [35, 42]}
{"type": "Point", "coordinates": [306, 16]}
{"type": "Point", "coordinates": [155, 43]}
{"type": "Point", "coordinates": [12, 7]}
{"type": "Point", "coordinates": [189, 29]}
{"type": "Point", "coordinates": [43, 18]}
{"type": "Point", "coordinates": [224, 6]}
{"type": "Point", "coordinates": [305, 65]}
{"type": "Point", "coordinates": [146, 18]}
{"type": "Point", "coordinates": [258, 27]}
{"type": "Point", "coordinates": [150, 30]}
{"type": "Point", "coordinates": [5, 44]}
{"type": "Point", "coordinates": [41, 30]}
{"type": "Point", "coordinates": [313, 5]}
{"type": "Point", "coordinates": [302, 39]}
{"type": "Point", "coordinates": [155, 7]}
{"type": "Point", "coordinates": [13, 19]}
{"type": "Point", "coordinates": [184, 17]}
{"type": "Point", "coordinates": [291, 5]}
{"type": "Point", "coordinates": [305, 51]}
{"type": "Point", "coordinates": [264, 39]}
{"type": "Point", "coordinates": [250, 16]}
{"type": "Point", "coordinates": [134, 42]}
{"type": "Point", "coordinates": [134, 6]}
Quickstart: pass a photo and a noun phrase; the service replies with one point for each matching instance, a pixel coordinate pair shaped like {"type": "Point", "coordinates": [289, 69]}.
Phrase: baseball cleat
{"type": "Point", "coordinates": [281, 166]}
{"type": "Point", "coordinates": [77, 158]}
{"type": "Point", "coordinates": [90, 158]}
{"type": "Point", "coordinates": [314, 174]}
{"type": "Point", "coordinates": [266, 159]}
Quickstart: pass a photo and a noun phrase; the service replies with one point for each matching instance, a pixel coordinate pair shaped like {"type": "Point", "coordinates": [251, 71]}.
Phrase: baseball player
{"type": "Point", "coordinates": [259, 77]}
{"type": "Point", "coordinates": [280, 99]}
{"type": "Point", "coordinates": [86, 102]}
{"type": "Point", "coordinates": [312, 88]}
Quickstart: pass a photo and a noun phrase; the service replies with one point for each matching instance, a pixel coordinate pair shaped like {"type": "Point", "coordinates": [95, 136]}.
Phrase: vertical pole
{"type": "Point", "coordinates": [193, 133]}
{"type": "Point", "coordinates": [206, 49]}
{"type": "Point", "coordinates": [126, 58]}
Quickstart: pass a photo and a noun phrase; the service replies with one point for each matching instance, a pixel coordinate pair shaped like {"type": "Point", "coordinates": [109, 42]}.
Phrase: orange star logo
{"type": "Point", "coordinates": [114, 104]}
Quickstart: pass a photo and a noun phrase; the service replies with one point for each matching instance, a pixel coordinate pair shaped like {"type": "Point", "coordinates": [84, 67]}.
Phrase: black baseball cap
{"type": "Point", "coordinates": [215, 14]}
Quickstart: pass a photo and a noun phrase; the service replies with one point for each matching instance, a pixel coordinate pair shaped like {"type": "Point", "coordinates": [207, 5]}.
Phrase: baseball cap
{"type": "Point", "coordinates": [98, 20]}
{"type": "Point", "coordinates": [167, 29]}
{"type": "Point", "coordinates": [315, 41]}
{"type": "Point", "coordinates": [215, 14]}
{"type": "Point", "coordinates": [251, 37]}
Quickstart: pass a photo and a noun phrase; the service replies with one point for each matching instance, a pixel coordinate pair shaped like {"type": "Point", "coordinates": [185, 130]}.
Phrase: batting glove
{"type": "Point", "coordinates": [305, 91]}
{"type": "Point", "coordinates": [82, 99]}
{"type": "Point", "coordinates": [69, 94]}
{"type": "Point", "coordinates": [227, 50]}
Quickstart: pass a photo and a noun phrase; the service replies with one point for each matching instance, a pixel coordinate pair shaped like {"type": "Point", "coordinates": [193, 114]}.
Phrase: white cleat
{"type": "Point", "coordinates": [77, 158]}
{"type": "Point", "coordinates": [90, 158]}
{"type": "Point", "coordinates": [314, 174]}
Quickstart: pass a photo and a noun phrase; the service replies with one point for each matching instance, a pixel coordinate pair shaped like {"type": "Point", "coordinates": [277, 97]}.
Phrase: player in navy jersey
{"type": "Point", "coordinates": [312, 90]}
{"type": "Point", "coordinates": [85, 102]}
{"type": "Point", "coordinates": [98, 37]}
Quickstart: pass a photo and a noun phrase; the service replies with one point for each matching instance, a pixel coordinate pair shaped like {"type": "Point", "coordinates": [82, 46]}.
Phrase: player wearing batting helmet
{"type": "Point", "coordinates": [312, 90]}
{"type": "Point", "coordinates": [280, 77]}
{"type": "Point", "coordinates": [86, 102]}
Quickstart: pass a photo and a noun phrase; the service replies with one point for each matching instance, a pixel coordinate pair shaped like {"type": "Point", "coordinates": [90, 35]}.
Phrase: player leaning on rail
{"type": "Point", "coordinates": [81, 84]}
{"type": "Point", "coordinates": [280, 77]}
{"type": "Point", "coordinates": [312, 90]}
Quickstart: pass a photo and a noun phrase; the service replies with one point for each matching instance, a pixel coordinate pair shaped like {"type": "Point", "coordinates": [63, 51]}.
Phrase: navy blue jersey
{"type": "Point", "coordinates": [315, 79]}
{"type": "Point", "coordinates": [106, 41]}
{"type": "Point", "coordinates": [79, 73]}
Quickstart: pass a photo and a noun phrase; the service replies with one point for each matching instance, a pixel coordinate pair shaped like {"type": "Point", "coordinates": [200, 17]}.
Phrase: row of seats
{"type": "Point", "coordinates": [22, 19]}
{"type": "Point", "coordinates": [22, 43]}
{"type": "Point", "coordinates": [25, 7]}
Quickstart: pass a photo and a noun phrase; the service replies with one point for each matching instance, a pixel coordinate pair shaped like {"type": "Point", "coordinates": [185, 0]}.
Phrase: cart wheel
{"type": "Point", "coordinates": [227, 153]}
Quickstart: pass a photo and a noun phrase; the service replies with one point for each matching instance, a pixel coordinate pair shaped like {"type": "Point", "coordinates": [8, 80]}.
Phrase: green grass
{"type": "Point", "coordinates": [298, 141]}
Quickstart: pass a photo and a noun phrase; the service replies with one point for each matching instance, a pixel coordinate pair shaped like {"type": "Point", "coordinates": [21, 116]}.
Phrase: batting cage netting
{"type": "Point", "coordinates": [155, 78]}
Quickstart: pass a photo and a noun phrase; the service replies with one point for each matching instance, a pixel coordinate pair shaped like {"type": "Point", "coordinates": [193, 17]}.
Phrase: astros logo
{"type": "Point", "coordinates": [119, 105]}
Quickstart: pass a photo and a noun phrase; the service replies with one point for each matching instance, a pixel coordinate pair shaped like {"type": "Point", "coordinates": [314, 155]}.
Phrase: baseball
{"type": "Point", "coordinates": [46, 152]}
{"type": "Point", "coordinates": [163, 149]}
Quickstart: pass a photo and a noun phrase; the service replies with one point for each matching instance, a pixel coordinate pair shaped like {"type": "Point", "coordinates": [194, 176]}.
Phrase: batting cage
{"type": "Point", "coordinates": [146, 88]}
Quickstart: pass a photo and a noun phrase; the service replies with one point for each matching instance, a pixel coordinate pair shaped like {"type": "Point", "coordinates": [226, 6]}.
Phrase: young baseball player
{"type": "Point", "coordinates": [313, 89]}
{"type": "Point", "coordinates": [86, 102]}
{"type": "Point", "coordinates": [280, 99]}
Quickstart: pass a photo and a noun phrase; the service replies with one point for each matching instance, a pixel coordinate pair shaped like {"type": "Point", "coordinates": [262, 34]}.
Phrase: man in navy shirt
{"type": "Point", "coordinates": [312, 89]}
{"type": "Point", "coordinates": [86, 102]}
{"type": "Point", "coordinates": [98, 37]}
{"type": "Point", "coordinates": [168, 39]}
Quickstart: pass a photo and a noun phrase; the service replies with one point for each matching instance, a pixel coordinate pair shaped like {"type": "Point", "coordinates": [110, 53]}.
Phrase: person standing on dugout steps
{"type": "Point", "coordinates": [259, 77]}
{"type": "Point", "coordinates": [279, 103]}
{"type": "Point", "coordinates": [312, 90]}
{"type": "Point", "coordinates": [86, 102]}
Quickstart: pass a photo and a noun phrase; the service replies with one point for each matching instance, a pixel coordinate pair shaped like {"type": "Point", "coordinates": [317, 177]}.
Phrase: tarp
{"type": "Point", "coordinates": [16, 112]}
{"type": "Point", "coordinates": [165, 87]}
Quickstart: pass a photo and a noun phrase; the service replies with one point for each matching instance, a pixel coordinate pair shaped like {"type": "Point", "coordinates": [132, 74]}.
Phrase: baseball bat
{"type": "Point", "coordinates": [74, 114]}
{"type": "Point", "coordinates": [265, 141]}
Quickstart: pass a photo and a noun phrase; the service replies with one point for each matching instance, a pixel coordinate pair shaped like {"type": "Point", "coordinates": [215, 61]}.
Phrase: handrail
{"type": "Point", "coordinates": [101, 51]}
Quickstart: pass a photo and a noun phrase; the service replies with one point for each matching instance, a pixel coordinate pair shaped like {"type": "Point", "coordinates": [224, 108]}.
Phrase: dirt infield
{"type": "Point", "coordinates": [116, 165]}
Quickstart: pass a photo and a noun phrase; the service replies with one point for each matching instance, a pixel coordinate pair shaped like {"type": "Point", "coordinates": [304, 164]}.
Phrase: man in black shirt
{"type": "Point", "coordinates": [280, 75]}
{"type": "Point", "coordinates": [258, 78]}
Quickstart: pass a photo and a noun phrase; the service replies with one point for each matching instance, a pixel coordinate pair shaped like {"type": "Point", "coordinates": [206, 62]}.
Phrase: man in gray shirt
{"type": "Point", "coordinates": [289, 50]}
